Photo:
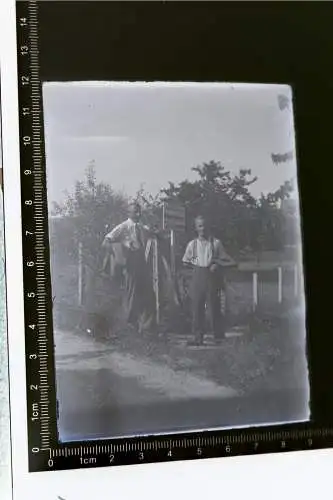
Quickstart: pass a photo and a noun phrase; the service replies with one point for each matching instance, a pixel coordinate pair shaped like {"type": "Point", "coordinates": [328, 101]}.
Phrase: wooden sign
{"type": "Point", "coordinates": [174, 216]}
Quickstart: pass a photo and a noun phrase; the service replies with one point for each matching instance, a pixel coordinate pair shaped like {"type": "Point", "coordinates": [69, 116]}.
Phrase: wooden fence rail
{"type": "Point", "coordinates": [257, 278]}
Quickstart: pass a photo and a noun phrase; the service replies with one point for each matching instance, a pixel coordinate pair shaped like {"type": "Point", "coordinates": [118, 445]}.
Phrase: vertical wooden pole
{"type": "Point", "coordinates": [279, 285]}
{"type": "Point", "coordinates": [172, 253]}
{"type": "Point", "coordinates": [254, 291]}
{"type": "Point", "coordinates": [80, 280]}
{"type": "Point", "coordinates": [295, 281]}
{"type": "Point", "coordinates": [147, 249]}
{"type": "Point", "coordinates": [156, 279]}
{"type": "Point", "coordinates": [164, 216]}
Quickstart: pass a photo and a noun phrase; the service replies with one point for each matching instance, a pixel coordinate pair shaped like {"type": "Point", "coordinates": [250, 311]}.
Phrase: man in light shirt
{"type": "Point", "coordinates": [139, 295]}
{"type": "Point", "coordinates": [207, 258]}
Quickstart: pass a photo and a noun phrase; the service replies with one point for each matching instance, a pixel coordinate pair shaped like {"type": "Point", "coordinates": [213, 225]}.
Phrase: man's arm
{"type": "Point", "coordinates": [222, 258]}
{"type": "Point", "coordinates": [114, 236]}
{"type": "Point", "coordinates": [188, 255]}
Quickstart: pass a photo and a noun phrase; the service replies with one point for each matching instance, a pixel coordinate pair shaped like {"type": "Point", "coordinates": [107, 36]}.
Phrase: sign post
{"type": "Point", "coordinates": [174, 221]}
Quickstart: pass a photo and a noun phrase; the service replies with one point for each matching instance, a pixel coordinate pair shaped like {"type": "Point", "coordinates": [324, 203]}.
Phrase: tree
{"type": "Point", "coordinates": [151, 207]}
{"type": "Point", "coordinates": [244, 223]}
{"type": "Point", "coordinates": [236, 216]}
{"type": "Point", "coordinates": [94, 208]}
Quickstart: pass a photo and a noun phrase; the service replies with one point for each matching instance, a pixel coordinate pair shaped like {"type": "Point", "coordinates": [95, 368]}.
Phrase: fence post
{"type": "Point", "coordinates": [172, 253]}
{"type": "Point", "coordinates": [279, 285]}
{"type": "Point", "coordinates": [80, 271]}
{"type": "Point", "coordinates": [254, 291]}
{"type": "Point", "coordinates": [147, 249]}
{"type": "Point", "coordinates": [156, 279]}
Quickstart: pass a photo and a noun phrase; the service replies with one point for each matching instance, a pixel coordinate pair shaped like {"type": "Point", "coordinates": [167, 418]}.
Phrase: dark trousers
{"type": "Point", "coordinates": [139, 294]}
{"type": "Point", "coordinates": [205, 292]}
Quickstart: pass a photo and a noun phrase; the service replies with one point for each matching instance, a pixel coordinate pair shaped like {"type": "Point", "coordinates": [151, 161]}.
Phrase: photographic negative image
{"type": "Point", "coordinates": [176, 257]}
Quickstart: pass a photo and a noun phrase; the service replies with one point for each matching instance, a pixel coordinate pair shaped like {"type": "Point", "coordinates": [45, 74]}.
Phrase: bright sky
{"type": "Point", "coordinates": [149, 134]}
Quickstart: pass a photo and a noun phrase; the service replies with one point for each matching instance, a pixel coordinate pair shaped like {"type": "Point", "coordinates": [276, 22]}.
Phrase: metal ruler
{"type": "Point", "coordinates": [45, 450]}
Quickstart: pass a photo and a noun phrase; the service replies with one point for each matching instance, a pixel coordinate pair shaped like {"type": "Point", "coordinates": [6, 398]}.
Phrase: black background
{"type": "Point", "coordinates": [278, 42]}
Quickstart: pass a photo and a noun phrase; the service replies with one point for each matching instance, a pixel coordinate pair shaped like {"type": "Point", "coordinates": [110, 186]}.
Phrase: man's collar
{"type": "Point", "coordinates": [206, 238]}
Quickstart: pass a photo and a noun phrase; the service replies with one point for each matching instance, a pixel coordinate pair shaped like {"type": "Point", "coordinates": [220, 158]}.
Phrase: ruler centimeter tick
{"type": "Point", "coordinates": [45, 452]}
